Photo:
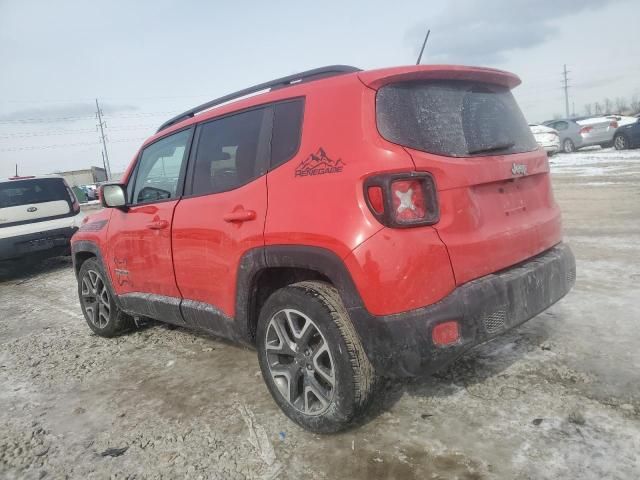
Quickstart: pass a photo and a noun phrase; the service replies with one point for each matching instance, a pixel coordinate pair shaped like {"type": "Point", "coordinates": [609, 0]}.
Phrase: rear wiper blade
{"type": "Point", "coordinates": [502, 146]}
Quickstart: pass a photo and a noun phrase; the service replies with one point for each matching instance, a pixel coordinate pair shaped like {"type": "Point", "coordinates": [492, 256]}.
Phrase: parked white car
{"type": "Point", "coordinates": [546, 137]}
{"type": "Point", "coordinates": [38, 215]}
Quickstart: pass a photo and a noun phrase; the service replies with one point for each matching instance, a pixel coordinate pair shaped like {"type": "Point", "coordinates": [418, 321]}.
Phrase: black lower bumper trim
{"type": "Point", "coordinates": [49, 241]}
{"type": "Point", "coordinates": [401, 344]}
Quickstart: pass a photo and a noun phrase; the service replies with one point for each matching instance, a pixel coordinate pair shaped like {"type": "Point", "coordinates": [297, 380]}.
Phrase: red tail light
{"type": "Point", "coordinates": [408, 201]}
{"type": "Point", "coordinates": [403, 199]}
{"type": "Point", "coordinates": [613, 124]}
{"type": "Point", "coordinates": [75, 206]}
{"type": "Point", "coordinates": [584, 130]}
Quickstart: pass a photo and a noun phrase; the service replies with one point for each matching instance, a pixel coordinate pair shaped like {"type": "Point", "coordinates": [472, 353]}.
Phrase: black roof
{"type": "Point", "coordinates": [307, 76]}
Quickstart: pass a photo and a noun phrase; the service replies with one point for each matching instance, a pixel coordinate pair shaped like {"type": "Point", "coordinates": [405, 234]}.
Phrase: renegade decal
{"type": "Point", "coordinates": [318, 164]}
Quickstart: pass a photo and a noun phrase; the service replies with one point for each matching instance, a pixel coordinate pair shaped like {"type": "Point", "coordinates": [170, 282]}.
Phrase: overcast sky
{"type": "Point", "coordinates": [148, 60]}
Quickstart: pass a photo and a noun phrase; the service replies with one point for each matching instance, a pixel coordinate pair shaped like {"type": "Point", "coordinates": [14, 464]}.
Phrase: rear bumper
{"type": "Point", "coordinates": [401, 344]}
{"type": "Point", "coordinates": [52, 242]}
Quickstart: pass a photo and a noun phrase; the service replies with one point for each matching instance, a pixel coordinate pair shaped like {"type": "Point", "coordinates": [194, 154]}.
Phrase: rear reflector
{"type": "Point", "coordinates": [446, 333]}
{"type": "Point", "coordinates": [376, 199]}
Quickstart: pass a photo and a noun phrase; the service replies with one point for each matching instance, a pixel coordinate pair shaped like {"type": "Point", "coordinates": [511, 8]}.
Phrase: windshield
{"type": "Point", "coordinates": [24, 192]}
{"type": "Point", "coordinates": [453, 118]}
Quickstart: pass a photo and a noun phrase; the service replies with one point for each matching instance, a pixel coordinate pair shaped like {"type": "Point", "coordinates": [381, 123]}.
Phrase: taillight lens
{"type": "Point", "coordinates": [408, 201]}
{"type": "Point", "coordinates": [584, 130]}
{"type": "Point", "coordinates": [75, 206]}
{"type": "Point", "coordinates": [613, 124]}
{"type": "Point", "coordinates": [403, 199]}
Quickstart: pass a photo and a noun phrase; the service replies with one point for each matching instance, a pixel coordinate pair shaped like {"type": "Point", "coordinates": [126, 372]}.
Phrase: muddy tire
{"type": "Point", "coordinates": [98, 301]}
{"type": "Point", "coordinates": [311, 358]}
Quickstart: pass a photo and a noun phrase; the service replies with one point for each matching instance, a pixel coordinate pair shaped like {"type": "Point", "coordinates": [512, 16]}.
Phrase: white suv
{"type": "Point", "coordinates": [37, 215]}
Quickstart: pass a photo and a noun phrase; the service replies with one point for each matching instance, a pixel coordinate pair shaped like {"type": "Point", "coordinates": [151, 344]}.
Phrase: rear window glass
{"type": "Point", "coordinates": [22, 192]}
{"type": "Point", "coordinates": [453, 118]}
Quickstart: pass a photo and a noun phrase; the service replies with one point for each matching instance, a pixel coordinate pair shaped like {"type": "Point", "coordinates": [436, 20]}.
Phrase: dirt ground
{"type": "Point", "coordinates": [557, 398]}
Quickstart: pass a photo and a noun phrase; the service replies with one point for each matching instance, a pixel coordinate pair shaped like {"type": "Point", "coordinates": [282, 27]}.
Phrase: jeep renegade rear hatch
{"type": "Point", "coordinates": [494, 194]}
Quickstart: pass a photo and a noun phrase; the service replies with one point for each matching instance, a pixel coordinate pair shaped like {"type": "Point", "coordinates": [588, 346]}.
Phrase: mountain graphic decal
{"type": "Point", "coordinates": [319, 163]}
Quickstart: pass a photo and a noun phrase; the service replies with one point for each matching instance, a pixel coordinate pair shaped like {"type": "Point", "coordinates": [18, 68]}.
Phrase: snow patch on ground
{"type": "Point", "coordinates": [595, 163]}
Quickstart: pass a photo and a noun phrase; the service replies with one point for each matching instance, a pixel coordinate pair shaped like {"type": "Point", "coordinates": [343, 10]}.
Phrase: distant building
{"type": "Point", "coordinates": [75, 178]}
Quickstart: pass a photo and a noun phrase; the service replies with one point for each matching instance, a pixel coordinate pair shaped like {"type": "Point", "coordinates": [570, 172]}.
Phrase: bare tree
{"type": "Point", "coordinates": [621, 105]}
{"type": "Point", "coordinates": [598, 108]}
{"type": "Point", "coordinates": [608, 105]}
{"type": "Point", "coordinates": [635, 104]}
{"type": "Point", "coordinates": [587, 109]}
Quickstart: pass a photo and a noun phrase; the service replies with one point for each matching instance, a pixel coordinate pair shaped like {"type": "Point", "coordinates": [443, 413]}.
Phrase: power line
{"type": "Point", "coordinates": [45, 133]}
{"type": "Point", "coordinates": [75, 118]}
{"type": "Point", "coordinates": [68, 145]}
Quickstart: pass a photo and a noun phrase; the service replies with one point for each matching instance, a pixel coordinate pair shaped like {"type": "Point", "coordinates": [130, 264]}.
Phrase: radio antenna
{"type": "Point", "coordinates": [424, 44]}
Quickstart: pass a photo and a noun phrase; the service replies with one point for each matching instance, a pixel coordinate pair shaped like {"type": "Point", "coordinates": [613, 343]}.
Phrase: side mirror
{"type": "Point", "coordinates": [113, 195]}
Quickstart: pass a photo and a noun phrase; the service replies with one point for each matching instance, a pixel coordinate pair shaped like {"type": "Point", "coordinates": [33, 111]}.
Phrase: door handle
{"type": "Point", "coordinates": [157, 225]}
{"type": "Point", "coordinates": [240, 216]}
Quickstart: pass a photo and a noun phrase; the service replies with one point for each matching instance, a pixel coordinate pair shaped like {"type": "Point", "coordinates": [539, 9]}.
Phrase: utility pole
{"type": "Point", "coordinates": [104, 164]}
{"type": "Point", "coordinates": [565, 86]}
{"type": "Point", "coordinates": [101, 125]}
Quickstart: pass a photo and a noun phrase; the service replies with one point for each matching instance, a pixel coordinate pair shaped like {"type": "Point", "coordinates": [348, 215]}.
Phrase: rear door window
{"type": "Point", "coordinates": [24, 192]}
{"type": "Point", "coordinates": [453, 118]}
{"type": "Point", "coordinates": [231, 152]}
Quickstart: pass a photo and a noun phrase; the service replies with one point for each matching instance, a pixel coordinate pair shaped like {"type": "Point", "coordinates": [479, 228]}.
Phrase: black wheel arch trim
{"type": "Point", "coordinates": [317, 259]}
{"type": "Point", "coordinates": [86, 246]}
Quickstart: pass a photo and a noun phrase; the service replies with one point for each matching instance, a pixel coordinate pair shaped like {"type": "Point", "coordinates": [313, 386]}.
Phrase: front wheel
{"type": "Point", "coordinates": [568, 146]}
{"type": "Point", "coordinates": [311, 358]}
{"type": "Point", "coordinates": [102, 313]}
{"type": "Point", "coordinates": [620, 142]}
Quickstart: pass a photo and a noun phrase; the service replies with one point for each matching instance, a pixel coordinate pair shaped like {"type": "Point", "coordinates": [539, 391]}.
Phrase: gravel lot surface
{"type": "Point", "coordinates": [558, 397]}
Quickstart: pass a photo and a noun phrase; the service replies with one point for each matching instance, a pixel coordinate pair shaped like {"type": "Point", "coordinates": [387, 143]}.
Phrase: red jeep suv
{"type": "Point", "coordinates": [348, 224]}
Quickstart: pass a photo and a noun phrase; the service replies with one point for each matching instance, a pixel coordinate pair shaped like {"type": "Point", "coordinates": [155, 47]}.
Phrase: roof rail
{"type": "Point", "coordinates": [307, 76]}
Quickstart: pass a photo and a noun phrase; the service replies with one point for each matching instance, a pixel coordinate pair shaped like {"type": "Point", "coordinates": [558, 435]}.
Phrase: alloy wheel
{"type": "Point", "coordinates": [300, 362]}
{"type": "Point", "coordinates": [95, 298]}
{"type": "Point", "coordinates": [620, 142]}
{"type": "Point", "coordinates": [568, 146]}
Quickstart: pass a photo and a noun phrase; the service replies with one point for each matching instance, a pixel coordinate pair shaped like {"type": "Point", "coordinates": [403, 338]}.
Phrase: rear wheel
{"type": "Point", "coordinates": [568, 146]}
{"type": "Point", "coordinates": [312, 359]}
{"type": "Point", "coordinates": [620, 142]}
{"type": "Point", "coordinates": [98, 303]}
